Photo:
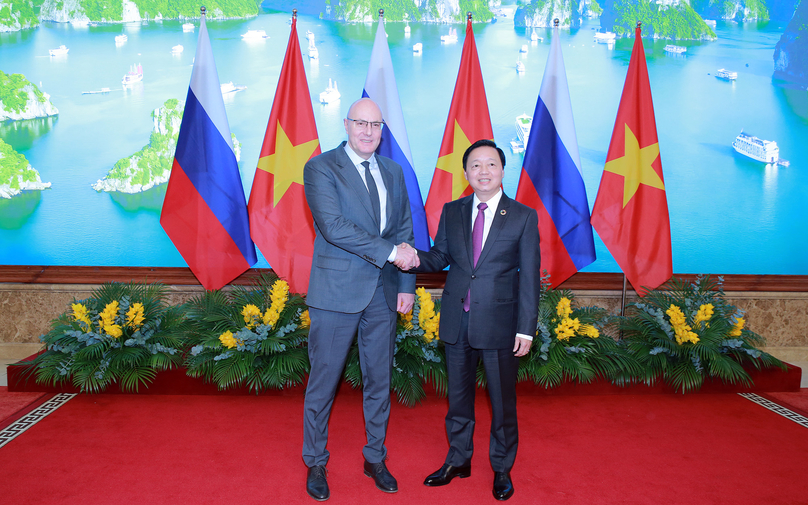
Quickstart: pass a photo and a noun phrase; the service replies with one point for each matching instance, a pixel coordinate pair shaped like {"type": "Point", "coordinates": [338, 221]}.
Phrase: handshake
{"type": "Point", "coordinates": [406, 257]}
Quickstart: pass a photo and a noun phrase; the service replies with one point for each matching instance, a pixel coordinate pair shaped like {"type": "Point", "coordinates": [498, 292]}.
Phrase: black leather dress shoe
{"type": "Point", "coordinates": [316, 483]}
{"type": "Point", "coordinates": [503, 487]}
{"type": "Point", "coordinates": [381, 476]}
{"type": "Point", "coordinates": [446, 474]}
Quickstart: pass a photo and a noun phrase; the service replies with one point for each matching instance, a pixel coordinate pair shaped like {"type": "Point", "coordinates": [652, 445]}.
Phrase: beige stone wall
{"type": "Point", "coordinates": [27, 309]}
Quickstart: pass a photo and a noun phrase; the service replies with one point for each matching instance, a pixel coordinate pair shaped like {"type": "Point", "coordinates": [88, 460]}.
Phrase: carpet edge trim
{"type": "Point", "coordinates": [776, 408]}
{"type": "Point", "coordinates": [19, 426]}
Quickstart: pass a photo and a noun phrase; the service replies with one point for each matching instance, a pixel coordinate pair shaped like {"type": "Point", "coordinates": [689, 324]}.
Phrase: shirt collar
{"type": "Point", "coordinates": [493, 202]}
{"type": "Point", "coordinates": [356, 159]}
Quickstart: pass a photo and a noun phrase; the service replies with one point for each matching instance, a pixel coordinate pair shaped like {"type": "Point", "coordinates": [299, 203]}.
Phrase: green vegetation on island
{"type": "Point", "coordinates": [151, 165]}
{"type": "Point", "coordinates": [16, 173]}
{"type": "Point", "coordinates": [739, 10]}
{"type": "Point", "coordinates": [14, 94]}
{"type": "Point", "coordinates": [19, 15]}
{"type": "Point", "coordinates": [400, 10]}
{"type": "Point", "coordinates": [112, 11]}
{"type": "Point", "coordinates": [677, 22]}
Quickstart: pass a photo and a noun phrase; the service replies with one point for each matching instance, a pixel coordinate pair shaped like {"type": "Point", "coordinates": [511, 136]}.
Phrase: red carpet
{"type": "Point", "coordinates": [617, 449]}
{"type": "Point", "coordinates": [798, 402]}
{"type": "Point", "coordinates": [15, 405]}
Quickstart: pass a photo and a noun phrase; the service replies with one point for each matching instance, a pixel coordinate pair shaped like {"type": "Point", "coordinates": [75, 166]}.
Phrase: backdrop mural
{"type": "Point", "coordinates": [91, 97]}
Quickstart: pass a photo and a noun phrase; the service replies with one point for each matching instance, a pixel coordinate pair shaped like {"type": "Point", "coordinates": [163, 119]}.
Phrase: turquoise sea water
{"type": "Point", "coordinates": [729, 214]}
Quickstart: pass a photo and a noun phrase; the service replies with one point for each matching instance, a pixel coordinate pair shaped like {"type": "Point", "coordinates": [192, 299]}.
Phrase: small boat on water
{"type": "Point", "coordinates": [121, 39]}
{"type": "Point", "coordinates": [605, 37]}
{"type": "Point", "coordinates": [407, 29]}
{"type": "Point", "coordinates": [59, 51]}
{"type": "Point", "coordinates": [451, 37]}
{"type": "Point", "coordinates": [254, 35]}
{"type": "Point", "coordinates": [517, 147]}
{"type": "Point", "coordinates": [523, 124]}
{"type": "Point", "coordinates": [331, 93]}
{"type": "Point", "coordinates": [103, 91]}
{"type": "Point", "coordinates": [313, 52]}
{"type": "Point", "coordinates": [188, 27]}
{"type": "Point", "coordinates": [534, 37]}
{"type": "Point", "coordinates": [520, 67]}
{"type": "Point", "coordinates": [229, 87]}
{"type": "Point", "coordinates": [134, 75]}
{"type": "Point", "coordinates": [710, 22]}
{"type": "Point", "coordinates": [727, 75]}
{"type": "Point", "coordinates": [765, 151]}
{"type": "Point", "coordinates": [674, 49]}
{"type": "Point", "coordinates": [417, 48]}
{"type": "Point", "coordinates": [178, 49]}
{"type": "Point", "coordinates": [523, 49]}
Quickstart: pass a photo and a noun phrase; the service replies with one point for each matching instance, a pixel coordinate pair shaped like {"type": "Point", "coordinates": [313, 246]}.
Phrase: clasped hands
{"type": "Point", "coordinates": [406, 257]}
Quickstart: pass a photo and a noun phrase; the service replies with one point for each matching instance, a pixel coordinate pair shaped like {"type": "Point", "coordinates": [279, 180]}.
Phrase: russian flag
{"type": "Point", "coordinates": [205, 210]}
{"type": "Point", "coordinates": [551, 180]}
{"type": "Point", "coordinates": [380, 86]}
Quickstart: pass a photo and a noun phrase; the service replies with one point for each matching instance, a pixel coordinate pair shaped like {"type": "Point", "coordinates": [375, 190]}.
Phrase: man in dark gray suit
{"type": "Point", "coordinates": [361, 210]}
{"type": "Point", "coordinates": [488, 310]}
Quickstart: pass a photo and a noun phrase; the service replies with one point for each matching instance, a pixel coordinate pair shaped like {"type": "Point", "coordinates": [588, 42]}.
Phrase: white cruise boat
{"type": "Point", "coordinates": [727, 75]}
{"type": "Point", "coordinates": [710, 22]}
{"type": "Point", "coordinates": [134, 75]}
{"type": "Point", "coordinates": [188, 27]}
{"type": "Point", "coordinates": [178, 49]}
{"type": "Point", "coordinates": [523, 124]}
{"type": "Point", "coordinates": [313, 52]}
{"type": "Point", "coordinates": [765, 151]}
{"type": "Point", "coordinates": [517, 147]}
{"type": "Point", "coordinates": [520, 67]}
{"type": "Point", "coordinates": [672, 48]}
{"type": "Point", "coordinates": [417, 48]}
{"type": "Point", "coordinates": [59, 51]}
{"type": "Point", "coordinates": [451, 37]}
{"type": "Point", "coordinates": [331, 93]}
{"type": "Point", "coordinates": [229, 87]}
{"type": "Point", "coordinates": [407, 29]}
{"type": "Point", "coordinates": [535, 36]}
{"type": "Point", "coordinates": [121, 39]}
{"type": "Point", "coordinates": [254, 35]}
{"type": "Point", "coordinates": [605, 37]}
{"type": "Point", "coordinates": [523, 49]}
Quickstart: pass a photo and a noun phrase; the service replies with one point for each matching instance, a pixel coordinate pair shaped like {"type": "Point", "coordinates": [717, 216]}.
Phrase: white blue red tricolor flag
{"type": "Point", "coordinates": [380, 86]}
{"type": "Point", "coordinates": [551, 180]}
{"type": "Point", "coordinates": [205, 211]}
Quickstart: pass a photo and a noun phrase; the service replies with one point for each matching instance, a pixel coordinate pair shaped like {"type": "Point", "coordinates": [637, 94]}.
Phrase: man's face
{"type": "Point", "coordinates": [484, 172]}
{"type": "Point", "coordinates": [365, 140]}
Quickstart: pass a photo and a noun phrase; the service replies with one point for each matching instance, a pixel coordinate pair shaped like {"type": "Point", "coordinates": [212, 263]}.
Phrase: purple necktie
{"type": "Point", "coordinates": [476, 244]}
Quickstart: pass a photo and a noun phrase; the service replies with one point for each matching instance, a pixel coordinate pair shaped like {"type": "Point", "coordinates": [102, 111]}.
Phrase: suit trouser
{"type": "Point", "coordinates": [500, 370]}
{"type": "Point", "coordinates": [330, 337]}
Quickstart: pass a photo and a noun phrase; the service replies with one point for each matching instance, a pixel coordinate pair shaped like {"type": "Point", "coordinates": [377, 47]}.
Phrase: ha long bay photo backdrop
{"type": "Point", "coordinates": [729, 213]}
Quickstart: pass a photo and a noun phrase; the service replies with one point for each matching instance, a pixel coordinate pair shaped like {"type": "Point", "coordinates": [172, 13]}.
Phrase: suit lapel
{"type": "Point", "coordinates": [500, 217]}
{"type": "Point", "coordinates": [466, 224]}
{"type": "Point", "coordinates": [389, 181]}
{"type": "Point", "coordinates": [353, 179]}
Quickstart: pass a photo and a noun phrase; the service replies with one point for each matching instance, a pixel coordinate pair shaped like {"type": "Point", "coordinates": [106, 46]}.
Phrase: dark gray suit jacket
{"type": "Point", "coordinates": [348, 250]}
{"type": "Point", "coordinates": [506, 283]}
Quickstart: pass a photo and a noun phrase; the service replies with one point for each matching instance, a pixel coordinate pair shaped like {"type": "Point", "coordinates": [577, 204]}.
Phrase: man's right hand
{"type": "Point", "coordinates": [406, 257]}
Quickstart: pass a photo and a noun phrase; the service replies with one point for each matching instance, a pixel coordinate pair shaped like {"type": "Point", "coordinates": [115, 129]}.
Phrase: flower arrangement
{"type": "Point", "coordinates": [685, 332]}
{"type": "Point", "coordinates": [571, 344]}
{"type": "Point", "coordinates": [123, 333]}
{"type": "Point", "coordinates": [254, 336]}
{"type": "Point", "coordinates": [418, 354]}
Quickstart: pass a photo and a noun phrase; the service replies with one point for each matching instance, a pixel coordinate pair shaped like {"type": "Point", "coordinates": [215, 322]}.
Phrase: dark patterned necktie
{"type": "Point", "coordinates": [374, 193]}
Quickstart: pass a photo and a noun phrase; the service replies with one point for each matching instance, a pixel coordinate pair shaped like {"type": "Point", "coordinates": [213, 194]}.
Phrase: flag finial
{"type": "Point", "coordinates": [381, 13]}
{"type": "Point", "coordinates": [555, 22]}
{"type": "Point", "coordinates": [202, 10]}
{"type": "Point", "coordinates": [294, 13]}
{"type": "Point", "coordinates": [638, 31]}
{"type": "Point", "coordinates": [469, 16]}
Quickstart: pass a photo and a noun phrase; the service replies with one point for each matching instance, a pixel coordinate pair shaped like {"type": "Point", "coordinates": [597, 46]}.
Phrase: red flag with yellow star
{"type": "Point", "coordinates": [468, 122]}
{"type": "Point", "coordinates": [280, 221]}
{"type": "Point", "coordinates": [631, 209]}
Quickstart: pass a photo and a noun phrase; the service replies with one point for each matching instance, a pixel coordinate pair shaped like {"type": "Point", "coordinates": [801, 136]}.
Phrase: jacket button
{"type": "Point", "coordinates": [473, 276]}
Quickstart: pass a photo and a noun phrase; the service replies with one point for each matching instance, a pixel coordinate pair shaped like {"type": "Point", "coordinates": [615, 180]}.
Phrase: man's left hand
{"type": "Point", "coordinates": [405, 303]}
{"type": "Point", "coordinates": [520, 347]}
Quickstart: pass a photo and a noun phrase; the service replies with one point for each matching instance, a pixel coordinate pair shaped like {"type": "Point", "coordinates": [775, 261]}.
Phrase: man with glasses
{"type": "Point", "coordinates": [360, 207]}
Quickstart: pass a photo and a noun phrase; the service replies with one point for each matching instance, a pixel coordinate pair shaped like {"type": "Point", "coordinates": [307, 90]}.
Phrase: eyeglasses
{"type": "Point", "coordinates": [362, 124]}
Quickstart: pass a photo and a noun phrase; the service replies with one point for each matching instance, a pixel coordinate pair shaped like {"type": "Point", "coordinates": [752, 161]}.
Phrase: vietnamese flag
{"type": "Point", "coordinates": [467, 123]}
{"type": "Point", "coordinates": [631, 209]}
{"type": "Point", "coordinates": [280, 221]}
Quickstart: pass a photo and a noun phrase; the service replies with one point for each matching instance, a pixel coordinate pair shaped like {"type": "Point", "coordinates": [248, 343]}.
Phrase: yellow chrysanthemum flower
{"type": "Point", "coordinates": [106, 323]}
{"type": "Point", "coordinates": [680, 327]}
{"type": "Point", "coordinates": [704, 314]}
{"type": "Point", "coordinates": [563, 309]}
{"type": "Point", "coordinates": [736, 329]}
{"type": "Point", "coordinates": [80, 313]}
{"type": "Point", "coordinates": [252, 315]}
{"type": "Point", "coordinates": [589, 331]}
{"type": "Point", "coordinates": [305, 320]}
{"type": "Point", "coordinates": [567, 328]}
{"type": "Point", "coordinates": [134, 316]}
{"type": "Point", "coordinates": [427, 319]}
{"type": "Point", "coordinates": [228, 340]}
{"type": "Point", "coordinates": [279, 294]}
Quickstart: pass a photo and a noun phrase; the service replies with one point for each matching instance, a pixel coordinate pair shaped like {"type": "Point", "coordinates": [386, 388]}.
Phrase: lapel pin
{"type": "Point", "coordinates": [503, 212]}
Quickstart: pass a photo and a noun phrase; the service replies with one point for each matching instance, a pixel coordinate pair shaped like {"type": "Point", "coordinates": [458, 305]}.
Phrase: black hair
{"type": "Point", "coordinates": [483, 143]}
